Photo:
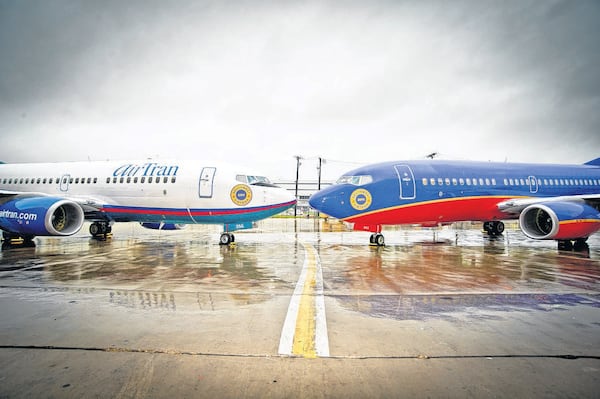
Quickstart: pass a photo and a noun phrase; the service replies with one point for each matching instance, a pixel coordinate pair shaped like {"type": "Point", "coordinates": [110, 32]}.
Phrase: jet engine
{"type": "Point", "coordinates": [163, 226]}
{"type": "Point", "coordinates": [559, 221]}
{"type": "Point", "coordinates": [41, 216]}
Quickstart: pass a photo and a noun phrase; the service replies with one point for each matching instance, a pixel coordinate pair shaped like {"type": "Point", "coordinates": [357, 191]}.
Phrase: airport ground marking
{"type": "Point", "coordinates": [304, 331]}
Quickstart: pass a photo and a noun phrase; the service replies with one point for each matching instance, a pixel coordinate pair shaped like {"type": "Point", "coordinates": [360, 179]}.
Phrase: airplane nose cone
{"type": "Point", "coordinates": [316, 200]}
{"type": "Point", "coordinates": [322, 202]}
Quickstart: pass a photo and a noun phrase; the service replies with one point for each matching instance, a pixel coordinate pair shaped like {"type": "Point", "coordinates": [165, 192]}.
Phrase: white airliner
{"type": "Point", "coordinates": [54, 199]}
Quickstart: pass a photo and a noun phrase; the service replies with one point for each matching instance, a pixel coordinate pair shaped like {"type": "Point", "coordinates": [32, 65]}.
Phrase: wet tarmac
{"type": "Point", "coordinates": [299, 309]}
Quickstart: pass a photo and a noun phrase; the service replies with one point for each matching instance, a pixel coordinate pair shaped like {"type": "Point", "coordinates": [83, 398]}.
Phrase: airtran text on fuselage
{"type": "Point", "coordinates": [147, 169]}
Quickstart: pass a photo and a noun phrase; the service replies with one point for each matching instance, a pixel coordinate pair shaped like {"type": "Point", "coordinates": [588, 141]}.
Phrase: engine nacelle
{"type": "Point", "coordinates": [41, 216]}
{"type": "Point", "coordinates": [163, 226]}
{"type": "Point", "coordinates": [559, 221]}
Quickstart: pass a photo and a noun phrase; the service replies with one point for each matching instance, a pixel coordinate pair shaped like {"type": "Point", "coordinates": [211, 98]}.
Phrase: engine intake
{"type": "Point", "coordinates": [41, 216]}
{"type": "Point", "coordinates": [559, 221]}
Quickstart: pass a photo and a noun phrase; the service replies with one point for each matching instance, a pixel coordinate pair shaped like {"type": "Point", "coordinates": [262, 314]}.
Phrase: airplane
{"type": "Point", "coordinates": [551, 202]}
{"type": "Point", "coordinates": [54, 199]}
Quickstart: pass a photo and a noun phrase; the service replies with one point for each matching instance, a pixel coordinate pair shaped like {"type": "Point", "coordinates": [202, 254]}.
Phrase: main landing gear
{"type": "Point", "coordinates": [578, 245]}
{"type": "Point", "coordinates": [377, 240]}
{"type": "Point", "coordinates": [100, 230]}
{"type": "Point", "coordinates": [12, 240]}
{"type": "Point", "coordinates": [494, 228]}
{"type": "Point", "coordinates": [227, 239]}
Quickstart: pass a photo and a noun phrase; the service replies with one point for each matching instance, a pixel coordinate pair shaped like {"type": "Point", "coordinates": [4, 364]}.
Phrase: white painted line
{"type": "Point", "coordinates": [291, 326]}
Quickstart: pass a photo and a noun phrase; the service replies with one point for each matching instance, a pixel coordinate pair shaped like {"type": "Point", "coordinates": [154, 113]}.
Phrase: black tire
{"type": "Point", "coordinates": [94, 229]}
{"type": "Point", "coordinates": [379, 240]}
{"type": "Point", "coordinates": [498, 228]}
{"type": "Point", "coordinates": [225, 239]}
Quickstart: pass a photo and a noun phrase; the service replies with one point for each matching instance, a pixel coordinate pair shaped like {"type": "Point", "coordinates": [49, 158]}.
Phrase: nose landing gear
{"type": "Point", "coordinates": [227, 239]}
{"type": "Point", "coordinates": [377, 240]}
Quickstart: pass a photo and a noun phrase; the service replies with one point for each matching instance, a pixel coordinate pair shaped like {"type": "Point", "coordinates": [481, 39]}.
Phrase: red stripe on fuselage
{"type": "Point", "coordinates": [577, 228]}
{"type": "Point", "coordinates": [435, 212]}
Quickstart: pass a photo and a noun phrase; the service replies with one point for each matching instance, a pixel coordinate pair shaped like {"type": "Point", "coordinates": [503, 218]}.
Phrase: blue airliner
{"type": "Point", "coordinates": [552, 202]}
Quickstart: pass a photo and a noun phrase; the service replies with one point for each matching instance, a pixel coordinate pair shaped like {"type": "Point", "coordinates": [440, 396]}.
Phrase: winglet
{"type": "Point", "coordinates": [595, 162]}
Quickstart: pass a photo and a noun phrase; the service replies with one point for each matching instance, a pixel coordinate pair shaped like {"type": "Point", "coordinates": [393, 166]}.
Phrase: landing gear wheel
{"type": "Point", "coordinates": [377, 239]}
{"type": "Point", "coordinates": [226, 239]}
{"type": "Point", "coordinates": [494, 228]}
{"type": "Point", "coordinates": [581, 245]}
{"type": "Point", "coordinates": [95, 229]}
{"type": "Point", "coordinates": [565, 245]}
{"type": "Point", "coordinates": [99, 230]}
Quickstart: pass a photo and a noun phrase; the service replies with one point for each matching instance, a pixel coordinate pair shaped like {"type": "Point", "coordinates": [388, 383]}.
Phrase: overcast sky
{"type": "Point", "coordinates": [257, 82]}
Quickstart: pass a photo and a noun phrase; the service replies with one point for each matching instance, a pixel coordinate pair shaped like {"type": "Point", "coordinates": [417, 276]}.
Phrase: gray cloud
{"type": "Point", "coordinates": [258, 82]}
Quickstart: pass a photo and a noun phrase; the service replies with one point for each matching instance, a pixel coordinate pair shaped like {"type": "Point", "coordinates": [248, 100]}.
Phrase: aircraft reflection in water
{"type": "Point", "coordinates": [151, 275]}
{"type": "Point", "coordinates": [448, 282]}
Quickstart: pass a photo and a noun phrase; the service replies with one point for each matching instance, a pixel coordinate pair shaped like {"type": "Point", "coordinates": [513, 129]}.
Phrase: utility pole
{"type": "Point", "coordinates": [298, 158]}
{"type": "Point", "coordinates": [321, 162]}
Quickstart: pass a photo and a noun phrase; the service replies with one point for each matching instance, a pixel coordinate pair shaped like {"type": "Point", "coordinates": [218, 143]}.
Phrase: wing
{"type": "Point", "coordinates": [87, 203]}
{"type": "Point", "coordinates": [513, 207]}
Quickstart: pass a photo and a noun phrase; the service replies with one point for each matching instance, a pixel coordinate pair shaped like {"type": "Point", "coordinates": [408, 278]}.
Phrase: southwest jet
{"type": "Point", "coordinates": [54, 199]}
{"type": "Point", "coordinates": [551, 202]}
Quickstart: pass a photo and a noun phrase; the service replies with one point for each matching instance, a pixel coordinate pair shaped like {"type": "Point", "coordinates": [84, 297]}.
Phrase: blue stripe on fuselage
{"type": "Point", "coordinates": [202, 216]}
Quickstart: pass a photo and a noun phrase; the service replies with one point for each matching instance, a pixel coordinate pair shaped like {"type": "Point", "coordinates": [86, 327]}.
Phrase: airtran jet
{"type": "Point", "coordinates": [54, 199]}
{"type": "Point", "coordinates": [551, 202]}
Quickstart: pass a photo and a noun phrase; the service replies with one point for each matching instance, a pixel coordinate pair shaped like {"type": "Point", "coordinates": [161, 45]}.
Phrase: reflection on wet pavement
{"type": "Point", "coordinates": [449, 275]}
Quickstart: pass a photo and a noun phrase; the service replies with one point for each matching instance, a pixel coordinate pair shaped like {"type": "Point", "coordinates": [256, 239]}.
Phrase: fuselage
{"type": "Point", "coordinates": [151, 191]}
{"type": "Point", "coordinates": [436, 192]}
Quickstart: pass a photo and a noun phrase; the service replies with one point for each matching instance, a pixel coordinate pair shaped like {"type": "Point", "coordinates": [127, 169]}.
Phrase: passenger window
{"type": "Point", "coordinates": [173, 179]}
{"type": "Point", "coordinates": [165, 179]}
{"type": "Point", "coordinates": [135, 179]}
{"type": "Point", "coordinates": [150, 179]}
{"type": "Point", "coordinates": [480, 181]}
{"type": "Point", "coordinates": [487, 181]}
{"type": "Point", "coordinates": [454, 181]}
{"type": "Point", "coordinates": [440, 181]}
{"type": "Point", "coordinates": [143, 179]}
{"type": "Point", "coordinates": [128, 179]}
{"type": "Point", "coordinates": [114, 179]}
{"type": "Point", "coordinates": [424, 181]}
{"type": "Point", "coordinates": [107, 180]}
{"type": "Point", "coordinates": [468, 181]}
{"type": "Point", "coordinates": [121, 180]}
{"type": "Point", "coordinates": [432, 181]}
{"type": "Point", "coordinates": [461, 181]}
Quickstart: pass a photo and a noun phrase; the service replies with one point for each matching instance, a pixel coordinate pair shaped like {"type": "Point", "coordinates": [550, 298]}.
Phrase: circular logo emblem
{"type": "Point", "coordinates": [360, 199]}
{"type": "Point", "coordinates": [241, 194]}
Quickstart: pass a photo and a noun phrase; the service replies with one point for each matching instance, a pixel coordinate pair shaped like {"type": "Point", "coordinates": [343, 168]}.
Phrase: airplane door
{"type": "Point", "coordinates": [533, 184]}
{"type": "Point", "coordinates": [207, 177]}
{"type": "Point", "coordinates": [64, 182]}
{"type": "Point", "coordinates": [407, 181]}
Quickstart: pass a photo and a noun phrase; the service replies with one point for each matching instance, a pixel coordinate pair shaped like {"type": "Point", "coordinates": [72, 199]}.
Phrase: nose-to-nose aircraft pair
{"type": "Point", "coordinates": [551, 202]}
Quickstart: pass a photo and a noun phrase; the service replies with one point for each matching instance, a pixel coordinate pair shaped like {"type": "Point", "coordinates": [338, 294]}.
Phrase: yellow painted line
{"type": "Point", "coordinates": [304, 337]}
{"type": "Point", "coordinates": [304, 332]}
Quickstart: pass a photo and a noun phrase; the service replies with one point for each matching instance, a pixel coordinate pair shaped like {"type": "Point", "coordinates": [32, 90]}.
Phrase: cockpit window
{"type": "Point", "coordinates": [254, 180]}
{"type": "Point", "coordinates": [355, 180]}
